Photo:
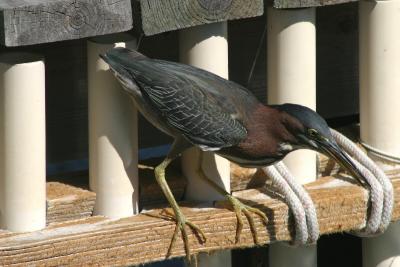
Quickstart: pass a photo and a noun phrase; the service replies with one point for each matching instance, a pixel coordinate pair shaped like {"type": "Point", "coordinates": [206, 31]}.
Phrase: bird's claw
{"type": "Point", "coordinates": [240, 208]}
{"type": "Point", "coordinates": [181, 222]}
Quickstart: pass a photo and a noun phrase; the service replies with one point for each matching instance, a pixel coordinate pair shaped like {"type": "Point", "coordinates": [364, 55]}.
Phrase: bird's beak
{"type": "Point", "coordinates": [334, 151]}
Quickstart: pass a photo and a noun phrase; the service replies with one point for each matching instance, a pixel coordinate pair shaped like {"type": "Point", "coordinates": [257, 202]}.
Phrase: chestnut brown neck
{"type": "Point", "coordinates": [267, 129]}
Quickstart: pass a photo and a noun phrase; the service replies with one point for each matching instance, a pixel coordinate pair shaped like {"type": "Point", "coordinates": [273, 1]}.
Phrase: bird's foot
{"type": "Point", "coordinates": [181, 223]}
{"type": "Point", "coordinates": [240, 208]}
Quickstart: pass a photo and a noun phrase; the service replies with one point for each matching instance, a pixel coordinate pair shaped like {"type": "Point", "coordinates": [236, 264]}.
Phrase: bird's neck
{"type": "Point", "coordinates": [267, 133]}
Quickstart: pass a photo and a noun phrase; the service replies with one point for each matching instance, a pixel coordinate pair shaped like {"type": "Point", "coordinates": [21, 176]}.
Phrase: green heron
{"type": "Point", "coordinates": [198, 108]}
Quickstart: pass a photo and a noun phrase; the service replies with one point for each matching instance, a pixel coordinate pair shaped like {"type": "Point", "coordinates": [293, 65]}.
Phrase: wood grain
{"type": "Point", "coordinates": [65, 202]}
{"type": "Point", "coordinates": [307, 3]}
{"type": "Point", "coordinates": [145, 238]}
{"type": "Point", "coordinates": [166, 15]}
{"type": "Point", "coordinates": [42, 21]}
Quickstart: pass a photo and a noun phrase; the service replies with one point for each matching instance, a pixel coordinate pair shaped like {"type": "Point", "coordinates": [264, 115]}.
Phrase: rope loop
{"type": "Point", "coordinates": [381, 196]}
{"type": "Point", "coordinates": [381, 188]}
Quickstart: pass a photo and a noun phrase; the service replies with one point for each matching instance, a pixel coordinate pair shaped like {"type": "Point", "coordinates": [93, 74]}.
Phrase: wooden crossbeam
{"type": "Point", "coordinates": [42, 21]}
{"type": "Point", "coordinates": [65, 202]}
{"type": "Point", "coordinates": [283, 4]}
{"type": "Point", "coordinates": [341, 206]}
{"type": "Point", "coordinates": [165, 15]}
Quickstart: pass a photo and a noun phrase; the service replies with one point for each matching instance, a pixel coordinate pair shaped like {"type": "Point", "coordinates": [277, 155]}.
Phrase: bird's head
{"type": "Point", "coordinates": [310, 131]}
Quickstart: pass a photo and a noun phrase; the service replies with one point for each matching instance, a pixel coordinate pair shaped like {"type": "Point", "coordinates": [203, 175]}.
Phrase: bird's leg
{"type": "Point", "coordinates": [237, 205]}
{"type": "Point", "coordinates": [181, 220]}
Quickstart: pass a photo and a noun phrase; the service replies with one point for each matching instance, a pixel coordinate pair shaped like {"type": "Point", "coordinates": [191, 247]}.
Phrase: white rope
{"type": "Point", "coordinates": [295, 205]}
{"type": "Point", "coordinates": [375, 199]}
{"type": "Point", "coordinates": [378, 174]}
{"type": "Point", "coordinates": [301, 193]}
{"type": "Point", "coordinates": [306, 223]}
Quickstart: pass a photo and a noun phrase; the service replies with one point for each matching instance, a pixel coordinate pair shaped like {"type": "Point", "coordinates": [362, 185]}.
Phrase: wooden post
{"type": "Point", "coordinates": [291, 76]}
{"type": "Point", "coordinates": [206, 47]}
{"type": "Point", "coordinates": [22, 142]}
{"type": "Point", "coordinates": [113, 141]}
{"type": "Point", "coordinates": [379, 108]}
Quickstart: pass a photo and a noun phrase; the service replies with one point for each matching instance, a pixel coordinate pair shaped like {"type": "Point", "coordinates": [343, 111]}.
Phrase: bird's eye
{"type": "Point", "coordinates": [313, 133]}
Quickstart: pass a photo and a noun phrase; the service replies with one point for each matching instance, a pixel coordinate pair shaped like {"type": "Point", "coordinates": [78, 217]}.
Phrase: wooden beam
{"type": "Point", "coordinates": [42, 21]}
{"type": "Point", "coordinates": [65, 202]}
{"type": "Point", "coordinates": [280, 4]}
{"type": "Point", "coordinates": [341, 206]}
{"type": "Point", "coordinates": [166, 15]}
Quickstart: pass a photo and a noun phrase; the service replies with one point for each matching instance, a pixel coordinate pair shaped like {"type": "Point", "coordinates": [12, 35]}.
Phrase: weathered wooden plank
{"type": "Point", "coordinates": [165, 15]}
{"type": "Point", "coordinates": [65, 202]}
{"type": "Point", "coordinates": [341, 206]}
{"type": "Point", "coordinates": [42, 21]}
{"type": "Point", "coordinates": [307, 3]}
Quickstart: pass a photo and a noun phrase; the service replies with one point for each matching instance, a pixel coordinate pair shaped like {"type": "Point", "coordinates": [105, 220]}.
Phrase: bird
{"type": "Point", "coordinates": [198, 108]}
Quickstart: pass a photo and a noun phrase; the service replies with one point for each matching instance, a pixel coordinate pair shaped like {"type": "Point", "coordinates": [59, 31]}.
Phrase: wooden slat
{"type": "Point", "coordinates": [341, 206]}
{"type": "Point", "coordinates": [165, 15]}
{"type": "Point", "coordinates": [42, 21]}
{"type": "Point", "coordinates": [65, 202]}
{"type": "Point", "coordinates": [307, 3]}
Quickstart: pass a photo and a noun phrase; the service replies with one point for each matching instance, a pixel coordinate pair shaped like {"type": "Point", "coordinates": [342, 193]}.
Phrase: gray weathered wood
{"type": "Point", "coordinates": [280, 4]}
{"type": "Point", "coordinates": [165, 15]}
{"type": "Point", "coordinates": [26, 22]}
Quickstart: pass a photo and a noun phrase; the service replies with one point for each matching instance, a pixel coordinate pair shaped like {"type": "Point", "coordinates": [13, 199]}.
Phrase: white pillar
{"type": "Point", "coordinates": [113, 148]}
{"type": "Point", "coordinates": [291, 78]}
{"type": "Point", "coordinates": [22, 142]}
{"type": "Point", "coordinates": [379, 58]}
{"type": "Point", "coordinates": [206, 47]}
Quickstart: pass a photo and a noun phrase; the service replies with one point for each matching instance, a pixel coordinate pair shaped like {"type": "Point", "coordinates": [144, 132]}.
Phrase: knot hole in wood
{"type": "Point", "coordinates": [77, 16]}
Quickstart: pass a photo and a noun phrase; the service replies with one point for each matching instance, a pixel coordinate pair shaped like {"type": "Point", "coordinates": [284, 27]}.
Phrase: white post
{"type": "Point", "coordinates": [291, 77]}
{"type": "Point", "coordinates": [206, 47]}
{"type": "Point", "coordinates": [379, 58]}
{"type": "Point", "coordinates": [22, 142]}
{"type": "Point", "coordinates": [113, 148]}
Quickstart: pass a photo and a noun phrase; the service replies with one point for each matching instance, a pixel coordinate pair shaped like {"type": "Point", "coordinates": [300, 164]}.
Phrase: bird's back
{"type": "Point", "coordinates": [207, 109]}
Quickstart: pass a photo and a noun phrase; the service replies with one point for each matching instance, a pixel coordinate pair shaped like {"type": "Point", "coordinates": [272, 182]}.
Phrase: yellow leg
{"type": "Point", "coordinates": [237, 205]}
{"type": "Point", "coordinates": [181, 220]}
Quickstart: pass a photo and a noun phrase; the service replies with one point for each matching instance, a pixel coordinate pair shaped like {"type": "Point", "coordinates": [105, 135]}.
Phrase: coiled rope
{"type": "Point", "coordinates": [306, 222]}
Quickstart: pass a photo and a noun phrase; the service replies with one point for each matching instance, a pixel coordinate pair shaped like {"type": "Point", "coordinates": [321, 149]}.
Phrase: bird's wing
{"type": "Point", "coordinates": [205, 108]}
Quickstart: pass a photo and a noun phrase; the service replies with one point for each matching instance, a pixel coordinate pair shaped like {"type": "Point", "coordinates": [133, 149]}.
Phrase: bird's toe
{"type": "Point", "coordinates": [240, 209]}
{"type": "Point", "coordinates": [181, 223]}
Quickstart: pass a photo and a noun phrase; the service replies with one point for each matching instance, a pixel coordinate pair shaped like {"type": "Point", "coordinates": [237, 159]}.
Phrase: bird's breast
{"type": "Point", "coordinates": [248, 159]}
